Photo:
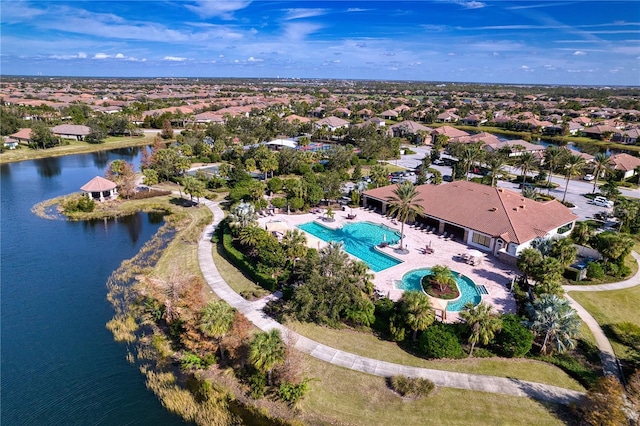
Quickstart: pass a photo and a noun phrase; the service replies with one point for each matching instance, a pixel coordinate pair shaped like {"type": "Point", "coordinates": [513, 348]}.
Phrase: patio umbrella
{"type": "Point", "coordinates": [474, 253]}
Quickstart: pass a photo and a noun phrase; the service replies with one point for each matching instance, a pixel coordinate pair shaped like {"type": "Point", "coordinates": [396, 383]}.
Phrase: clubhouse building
{"type": "Point", "coordinates": [495, 220]}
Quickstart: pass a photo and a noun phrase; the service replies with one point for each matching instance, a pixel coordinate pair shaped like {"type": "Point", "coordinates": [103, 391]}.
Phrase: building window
{"type": "Point", "coordinates": [565, 228]}
{"type": "Point", "coordinates": [483, 240]}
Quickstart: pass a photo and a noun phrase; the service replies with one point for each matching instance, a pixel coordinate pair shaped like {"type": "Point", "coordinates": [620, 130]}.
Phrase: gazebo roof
{"type": "Point", "coordinates": [98, 184]}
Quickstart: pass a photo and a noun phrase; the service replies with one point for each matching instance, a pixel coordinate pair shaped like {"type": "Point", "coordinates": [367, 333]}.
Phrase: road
{"type": "Point", "coordinates": [575, 192]}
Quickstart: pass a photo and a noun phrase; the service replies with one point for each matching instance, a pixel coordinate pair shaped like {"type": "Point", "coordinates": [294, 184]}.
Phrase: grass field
{"type": "Point", "coordinates": [366, 344]}
{"type": "Point", "coordinates": [342, 396]}
{"type": "Point", "coordinates": [75, 147]}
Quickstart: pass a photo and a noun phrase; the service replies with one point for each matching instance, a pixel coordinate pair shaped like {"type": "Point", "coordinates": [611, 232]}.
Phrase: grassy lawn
{"type": "Point", "coordinates": [236, 279]}
{"type": "Point", "coordinates": [611, 307]}
{"type": "Point", "coordinates": [75, 147]}
{"type": "Point", "coordinates": [342, 396]}
{"type": "Point", "coordinates": [182, 253]}
{"type": "Point", "coordinates": [368, 345]}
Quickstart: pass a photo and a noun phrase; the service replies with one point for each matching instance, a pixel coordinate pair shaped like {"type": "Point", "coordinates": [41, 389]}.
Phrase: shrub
{"type": "Point", "coordinates": [78, 204]}
{"type": "Point", "coordinates": [190, 360]}
{"type": "Point", "coordinates": [412, 386]}
{"type": "Point", "coordinates": [441, 341]}
{"type": "Point", "coordinates": [279, 202]}
{"type": "Point", "coordinates": [595, 270]}
{"type": "Point", "coordinates": [258, 384]}
{"type": "Point", "coordinates": [623, 271]}
{"type": "Point", "coordinates": [627, 333]}
{"type": "Point", "coordinates": [292, 393]}
{"type": "Point", "coordinates": [514, 340]}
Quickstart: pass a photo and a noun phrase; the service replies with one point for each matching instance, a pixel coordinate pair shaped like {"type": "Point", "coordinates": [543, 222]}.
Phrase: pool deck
{"type": "Point", "coordinates": [494, 275]}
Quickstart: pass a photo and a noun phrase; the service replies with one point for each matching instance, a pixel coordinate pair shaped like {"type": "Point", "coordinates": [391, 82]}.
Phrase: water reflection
{"type": "Point", "coordinates": [48, 167]}
{"type": "Point", "coordinates": [132, 223]}
{"type": "Point", "coordinates": [101, 159]}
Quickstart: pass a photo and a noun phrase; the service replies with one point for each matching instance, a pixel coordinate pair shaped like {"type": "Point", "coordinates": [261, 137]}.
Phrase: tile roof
{"type": "Point", "coordinates": [497, 212]}
{"type": "Point", "coordinates": [98, 184]}
{"type": "Point", "coordinates": [452, 132]}
{"type": "Point", "coordinates": [23, 134]}
{"type": "Point", "coordinates": [625, 162]}
{"type": "Point", "coordinates": [71, 129]}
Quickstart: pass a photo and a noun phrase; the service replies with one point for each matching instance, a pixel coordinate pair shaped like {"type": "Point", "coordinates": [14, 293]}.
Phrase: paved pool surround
{"type": "Point", "coordinates": [493, 274]}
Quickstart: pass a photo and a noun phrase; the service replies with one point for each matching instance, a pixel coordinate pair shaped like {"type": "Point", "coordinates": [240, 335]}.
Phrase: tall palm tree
{"type": "Point", "coordinates": [404, 205]}
{"type": "Point", "coordinates": [267, 350]}
{"type": "Point", "coordinates": [528, 262]}
{"type": "Point", "coordinates": [601, 166]}
{"type": "Point", "coordinates": [469, 155]}
{"type": "Point", "coordinates": [553, 157]}
{"type": "Point", "coordinates": [526, 161]}
{"type": "Point", "coordinates": [581, 233]}
{"type": "Point", "coordinates": [417, 310]}
{"type": "Point", "coordinates": [295, 245]}
{"type": "Point", "coordinates": [495, 164]}
{"type": "Point", "coordinates": [484, 323]}
{"type": "Point", "coordinates": [216, 320]}
{"type": "Point", "coordinates": [551, 316]}
{"type": "Point", "coordinates": [573, 166]}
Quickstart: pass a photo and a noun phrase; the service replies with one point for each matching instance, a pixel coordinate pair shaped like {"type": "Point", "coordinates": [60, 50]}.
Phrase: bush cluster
{"type": "Point", "coordinates": [413, 387]}
{"type": "Point", "coordinates": [79, 204]}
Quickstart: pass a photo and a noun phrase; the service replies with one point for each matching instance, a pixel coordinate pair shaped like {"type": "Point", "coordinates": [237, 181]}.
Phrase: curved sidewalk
{"type": "Point", "coordinates": [610, 363]}
{"type": "Point", "coordinates": [253, 311]}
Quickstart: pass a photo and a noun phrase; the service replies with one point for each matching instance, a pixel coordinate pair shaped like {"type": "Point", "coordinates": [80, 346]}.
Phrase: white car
{"type": "Point", "coordinates": [602, 202]}
{"type": "Point", "coordinates": [588, 177]}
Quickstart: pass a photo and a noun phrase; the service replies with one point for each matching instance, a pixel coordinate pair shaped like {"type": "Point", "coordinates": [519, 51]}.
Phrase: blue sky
{"type": "Point", "coordinates": [528, 42]}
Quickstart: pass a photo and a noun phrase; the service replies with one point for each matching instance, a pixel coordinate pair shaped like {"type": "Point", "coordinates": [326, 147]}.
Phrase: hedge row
{"type": "Point", "coordinates": [242, 262]}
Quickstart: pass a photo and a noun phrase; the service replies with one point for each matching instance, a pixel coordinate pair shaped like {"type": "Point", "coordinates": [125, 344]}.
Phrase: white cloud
{"type": "Point", "coordinates": [221, 8]}
{"type": "Point", "coordinates": [252, 59]}
{"type": "Point", "coordinates": [101, 56]}
{"type": "Point", "coordinates": [174, 58]}
{"type": "Point", "coordinates": [579, 53]}
{"type": "Point", "coordinates": [119, 56]}
{"type": "Point", "coordinates": [304, 13]}
{"type": "Point", "coordinates": [79, 55]}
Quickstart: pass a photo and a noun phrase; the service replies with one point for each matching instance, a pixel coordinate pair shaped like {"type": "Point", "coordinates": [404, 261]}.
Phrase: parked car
{"type": "Point", "coordinates": [438, 162]}
{"type": "Point", "coordinates": [588, 177]}
{"type": "Point", "coordinates": [602, 202]}
{"type": "Point", "coordinates": [447, 178]}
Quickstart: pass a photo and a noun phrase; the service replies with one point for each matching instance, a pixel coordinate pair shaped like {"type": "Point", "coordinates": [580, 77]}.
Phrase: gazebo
{"type": "Point", "coordinates": [100, 189]}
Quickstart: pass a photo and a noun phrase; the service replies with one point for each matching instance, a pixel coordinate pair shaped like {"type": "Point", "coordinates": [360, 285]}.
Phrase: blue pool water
{"type": "Point", "coordinates": [468, 293]}
{"type": "Point", "coordinates": [359, 239]}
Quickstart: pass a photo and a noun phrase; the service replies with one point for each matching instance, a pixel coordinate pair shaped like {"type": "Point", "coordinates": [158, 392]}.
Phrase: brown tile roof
{"type": "Point", "coordinates": [22, 134]}
{"type": "Point", "coordinates": [625, 162]}
{"type": "Point", "coordinates": [98, 184]}
{"type": "Point", "coordinates": [71, 129]}
{"type": "Point", "coordinates": [452, 132]}
{"type": "Point", "coordinates": [497, 212]}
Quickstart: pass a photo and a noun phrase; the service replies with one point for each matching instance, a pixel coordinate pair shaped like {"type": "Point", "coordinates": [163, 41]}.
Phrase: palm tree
{"type": "Point", "coordinates": [468, 155]}
{"type": "Point", "coordinates": [551, 316]}
{"type": "Point", "coordinates": [295, 245]}
{"type": "Point", "coordinates": [573, 166]}
{"type": "Point", "coordinates": [267, 350]}
{"type": "Point", "coordinates": [526, 161]}
{"type": "Point", "coordinates": [528, 262]}
{"type": "Point", "coordinates": [483, 322]}
{"type": "Point", "coordinates": [581, 233]}
{"type": "Point", "coordinates": [442, 276]}
{"type": "Point", "coordinates": [404, 206]}
{"type": "Point", "coordinates": [553, 157]}
{"type": "Point", "coordinates": [495, 167]}
{"type": "Point", "coordinates": [250, 236]}
{"type": "Point", "coordinates": [601, 166]}
{"type": "Point", "coordinates": [216, 321]}
{"type": "Point", "coordinates": [417, 311]}
{"type": "Point", "coordinates": [564, 250]}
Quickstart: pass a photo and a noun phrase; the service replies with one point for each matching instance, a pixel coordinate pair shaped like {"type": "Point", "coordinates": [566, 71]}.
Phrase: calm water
{"type": "Point", "coordinates": [359, 239]}
{"type": "Point", "coordinates": [60, 365]}
{"type": "Point", "coordinates": [412, 280]}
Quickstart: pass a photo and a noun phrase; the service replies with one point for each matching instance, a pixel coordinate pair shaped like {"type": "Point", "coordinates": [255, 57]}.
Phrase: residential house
{"type": "Point", "coordinates": [390, 114]}
{"type": "Point", "coordinates": [450, 132]}
{"type": "Point", "coordinates": [22, 136]}
{"type": "Point", "coordinates": [332, 123]}
{"type": "Point", "coordinates": [447, 117]}
{"type": "Point", "coordinates": [411, 130]}
{"type": "Point", "coordinates": [71, 131]}
{"type": "Point", "coordinates": [625, 164]}
{"type": "Point", "coordinates": [628, 136]}
{"type": "Point", "coordinates": [473, 120]}
{"type": "Point", "coordinates": [496, 220]}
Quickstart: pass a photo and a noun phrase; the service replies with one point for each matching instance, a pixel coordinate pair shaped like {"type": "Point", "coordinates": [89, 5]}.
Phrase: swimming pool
{"type": "Point", "coordinates": [412, 280]}
{"type": "Point", "coordinates": [359, 239]}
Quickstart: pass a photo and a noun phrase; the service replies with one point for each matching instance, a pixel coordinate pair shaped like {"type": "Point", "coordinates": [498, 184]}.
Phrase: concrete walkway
{"type": "Point", "coordinates": [253, 311]}
{"type": "Point", "coordinates": [610, 363]}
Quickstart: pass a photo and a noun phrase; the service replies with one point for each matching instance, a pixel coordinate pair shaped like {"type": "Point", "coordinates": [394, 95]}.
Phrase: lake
{"type": "Point", "coordinates": [60, 365]}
